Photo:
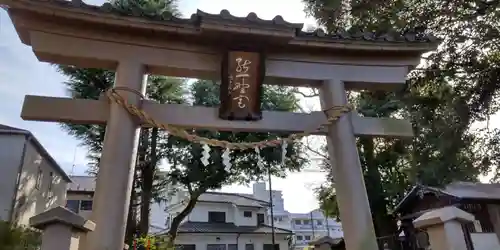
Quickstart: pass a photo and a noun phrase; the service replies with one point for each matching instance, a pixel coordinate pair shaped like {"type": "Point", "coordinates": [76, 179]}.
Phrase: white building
{"type": "Point", "coordinates": [282, 217]}
{"type": "Point", "coordinates": [224, 221]}
{"type": "Point", "coordinates": [31, 181]}
{"type": "Point", "coordinates": [80, 195]}
{"type": "Point", "coordinates": [306, 226]}
{"type": "Point", "coordinates": [312, 225]}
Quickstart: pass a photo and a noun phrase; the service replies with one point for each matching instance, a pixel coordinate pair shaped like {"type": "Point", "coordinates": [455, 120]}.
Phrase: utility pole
{"type": "Point", "coordinates": [327, 226]}
{"type": "Point", "coordinates": [273, 240]}
{"type": "Point", "coordinates": [312, 223]}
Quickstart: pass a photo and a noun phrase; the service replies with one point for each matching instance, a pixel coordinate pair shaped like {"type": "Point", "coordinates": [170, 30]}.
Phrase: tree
{"type": "Point", "coordinates": [187, 172]}
{"type": "Point", "coordinates": [456, 88]}
{"type": "Point", "coordinates": [92, 83]}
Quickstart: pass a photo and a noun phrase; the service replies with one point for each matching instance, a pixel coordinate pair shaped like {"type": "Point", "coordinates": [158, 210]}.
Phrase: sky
{"type": "Point", "coordinates": [21, 74]}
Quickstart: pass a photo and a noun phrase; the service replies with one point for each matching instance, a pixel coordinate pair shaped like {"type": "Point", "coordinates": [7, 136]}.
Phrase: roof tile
{"type": "Point", "coordinates": [207, 227]}
{"type": "Point", "coordinates": [198, 18]}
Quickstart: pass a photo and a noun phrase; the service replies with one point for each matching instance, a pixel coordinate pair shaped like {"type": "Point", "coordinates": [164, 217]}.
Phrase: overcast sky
{"type": "Point", "coordinates": [22, 74]}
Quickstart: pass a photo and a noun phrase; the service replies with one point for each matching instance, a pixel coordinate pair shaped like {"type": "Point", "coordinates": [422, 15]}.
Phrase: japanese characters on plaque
{"type": "Point", "coordinates": [242, 75]}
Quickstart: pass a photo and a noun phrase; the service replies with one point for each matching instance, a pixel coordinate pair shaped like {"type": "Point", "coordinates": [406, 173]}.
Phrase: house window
{"type": "Point", "coordinates": [260, 219]}
{"type": "Point", "coordinates": [216, 217]}
{"type": "Point", "coordinates": [232, 247]}
{"type": "Point", "coordinates": [39, 176]}
{"type": "Point", "coordinates": [51, 180]}
{"type": "Point", "coordinates": [299, 237]}
{"type": "Point", "coordinates": [185, 247]}
{"type": "Point", "coordinates": [249, 247]}
{"type": "Point", "coordinates": [306, 222]}
{"type": "Point", "coordinates": [73, 205]}
{"type": "Point", "coordinates": [270, 247]}
{"type": "Point", "coordinates": [86, 205]}
{"type": "Point", "coordinates": [307, 237]}
{"type": "Point", "coordinates": [319, 222]}
{"type": "Point", "coordinates": [247, 214]}
{"type": "Point", "coordinates": [298, 222]}
{"type": "Point", "coordinates": [216, 246]}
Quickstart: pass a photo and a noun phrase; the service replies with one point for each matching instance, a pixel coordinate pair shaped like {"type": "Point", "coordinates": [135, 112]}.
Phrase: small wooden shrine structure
{"type": "Point", "coordinates": [245, 52]}
{"type": "Point", "coordinates": [479, 199]}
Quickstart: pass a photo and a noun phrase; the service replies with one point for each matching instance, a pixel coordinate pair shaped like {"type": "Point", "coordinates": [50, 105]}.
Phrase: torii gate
{"type": "Point", "coordinates": [96, 36]}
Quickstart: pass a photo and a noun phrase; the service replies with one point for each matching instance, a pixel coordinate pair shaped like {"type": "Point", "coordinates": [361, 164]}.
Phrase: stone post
{"type": "Point", "coordinates": [444, 227]}
{"type": "Point", "coordinates": [62, 228]}
{"type": "Point", "coordinates": [116, 168]}
{"type": "Point", "coordinates": [357, 224]}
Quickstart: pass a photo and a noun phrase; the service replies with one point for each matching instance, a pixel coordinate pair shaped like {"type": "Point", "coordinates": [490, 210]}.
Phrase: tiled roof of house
{"type": "Point", "coordinates": [245, 200]}
{"type": "Point", "coordinates": [82, 184]}
{"type": "Point", "coordinates": [326, 240]}
{"type": "Point", "coordinates": [87, 184]}
{"type": "Point", "coordinates": [4, 129]}
{"type": "Point", "coordinates": [206, 227]}
{"type": "Point", "coordinates": [460, 190]}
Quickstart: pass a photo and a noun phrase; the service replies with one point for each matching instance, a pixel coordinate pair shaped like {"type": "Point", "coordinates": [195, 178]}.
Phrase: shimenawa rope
{"type": "Point", "coordinates": [113, 95]}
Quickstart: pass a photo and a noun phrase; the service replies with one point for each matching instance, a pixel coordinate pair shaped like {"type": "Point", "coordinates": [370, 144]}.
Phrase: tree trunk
{"type": "Point", "coordinates": [131, 216]}
{"type": "Point", "coordinates": [385, 225]}
{"type": "Point", "coordinates": [143, 165]}
{"type": "Point", "coordinates": [147, 183]}
{"type": "Point", "coordinates": [176, 222]}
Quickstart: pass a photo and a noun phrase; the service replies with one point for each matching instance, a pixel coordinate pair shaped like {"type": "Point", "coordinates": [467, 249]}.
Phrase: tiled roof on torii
{"type": "Point", "coordinates": [202, 22]}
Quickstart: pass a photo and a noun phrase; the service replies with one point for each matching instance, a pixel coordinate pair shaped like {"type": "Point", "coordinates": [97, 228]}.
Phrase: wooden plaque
{"type": "Point", "coordinates": [241, 86]}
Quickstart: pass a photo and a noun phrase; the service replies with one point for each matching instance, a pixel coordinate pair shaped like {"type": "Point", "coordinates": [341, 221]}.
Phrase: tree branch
{"type": "Point", "coordinates": [314, 93]}
{"type": "Point", "coordinates": [315, 151]}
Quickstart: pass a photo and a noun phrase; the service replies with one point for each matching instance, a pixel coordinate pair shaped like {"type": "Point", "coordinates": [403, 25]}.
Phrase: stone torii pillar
{"type": "Point", "coordinates": [116, 168]}
{"type": "Point", "coordinates": [357, 224]}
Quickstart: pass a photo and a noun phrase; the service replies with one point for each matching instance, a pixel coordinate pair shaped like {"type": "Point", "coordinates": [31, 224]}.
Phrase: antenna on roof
{"type": "Point", "coordinates": [74, 159]}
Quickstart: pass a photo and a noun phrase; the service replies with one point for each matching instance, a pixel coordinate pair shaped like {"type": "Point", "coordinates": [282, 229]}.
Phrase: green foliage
{"type": "Point", "coordinates": [151, 241]}
{"type": "Point", "coordinates": [455, 89]}
{"type": "Point", "coordinates": [151, 7]}
{"type": "Point", "coordinates": [18, 238]}
{"type": "Point", "coordinates": [184, 157]}
{"type": "Point", "coordinates": [328, 204]}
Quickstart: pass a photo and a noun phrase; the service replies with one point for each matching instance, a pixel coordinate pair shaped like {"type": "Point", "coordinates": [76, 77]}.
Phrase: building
{"type": "Point", "coordinates": [31, 181]}
{"type": "Point", "coordinates": [305, 226]}
{"type": "Point", "coordinates": [281, 216]}
{"type": "Point", "coordinates": [246, 215]}
{"type": "Point", "coordinates": [80, 194]}
{"type": "Point", "coordinates": [313, 225]}
{"type": "Point", "coordinates": [479, 199]}
{"type": "Point", "coordinates": [218, 221]}
{"type": "Point", "coordinates": [225, 221]}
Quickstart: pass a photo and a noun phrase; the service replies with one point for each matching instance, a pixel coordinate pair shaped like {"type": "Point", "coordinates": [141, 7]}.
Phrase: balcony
{"type": "Point", "coordinates": [308, 227]}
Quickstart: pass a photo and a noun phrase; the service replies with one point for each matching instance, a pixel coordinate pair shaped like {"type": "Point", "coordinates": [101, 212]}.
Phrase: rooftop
{"type": "Point", "coordinates": [87, 184]}
{"type": "Point", "coordinates": [206, 227]}
{"type": "Point", "coordinates": [276, 32]}
{"type": "Point", "coordinates": [82, 184]}
{"type": "Point", "coordinates": [460, 190]}
{"type": "Point", "coordinates": [4, 129]}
